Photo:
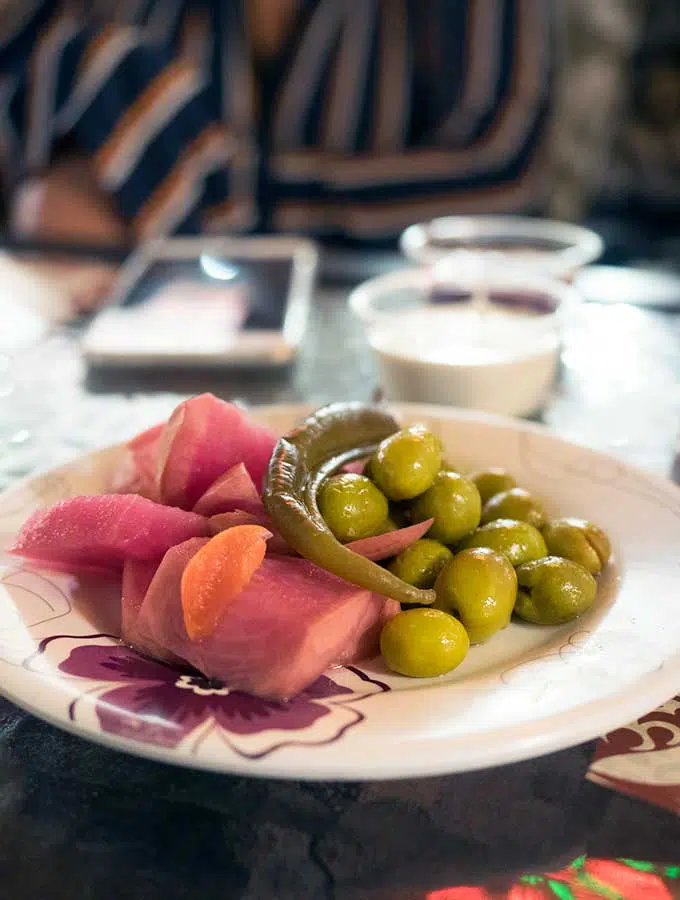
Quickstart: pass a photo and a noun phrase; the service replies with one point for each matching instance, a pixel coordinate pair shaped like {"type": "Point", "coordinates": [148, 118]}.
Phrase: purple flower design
{"type": "Point", "coordinates": [153, 703]}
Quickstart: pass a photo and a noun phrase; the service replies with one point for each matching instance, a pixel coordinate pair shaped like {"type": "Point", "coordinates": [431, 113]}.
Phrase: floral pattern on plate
{"type": "Point", "coordinates": [139, 699]}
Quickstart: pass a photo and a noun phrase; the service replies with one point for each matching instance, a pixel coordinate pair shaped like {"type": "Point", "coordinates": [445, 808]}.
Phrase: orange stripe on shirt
{"type": "Point", "coordinates": [131, 118]}
{"type": "Point", "coordinates": [230, 214]}
{"type": "Point", "coordinates": [95, 47]}
{"type": "Point", "coordinates": [214, 139]}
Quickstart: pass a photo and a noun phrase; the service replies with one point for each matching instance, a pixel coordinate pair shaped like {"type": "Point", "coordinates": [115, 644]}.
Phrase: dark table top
{"type": "Point", "coordinates": [77, 820]}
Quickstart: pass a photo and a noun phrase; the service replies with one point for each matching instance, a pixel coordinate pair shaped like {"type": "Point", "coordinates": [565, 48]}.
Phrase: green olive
{"type": "Point", "coordinates": [454, 504]}
{"type": "Point", "coordinates": [479, 585]}
{"type": "Point", "coordinates": [423, 643]}
{"type": "Point", "coordinates": [386, 527]}
{"type": "Point", "coordinates": [517, 504]}
{"type": "Point", "coordinates": [448, 466]}
{"type": "Point", "coordinates": [406, 463]}
{"type": "Point", "coordinates": [352, 506]}
{"type": "Point", "coordinates": [553, 590]}
{"type": "Point", "coordinates": [519, 541]}
{"type": "Point", "coordinates": [580, 541]}
{"type": "Point", "coordinates": [492, 481]}
{"type": "Point", "coordinates": [420, 563]}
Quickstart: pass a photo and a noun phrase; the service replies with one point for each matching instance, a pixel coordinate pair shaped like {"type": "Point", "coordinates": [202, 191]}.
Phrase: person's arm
{"type": "Point", "coordinates": [65, 204]}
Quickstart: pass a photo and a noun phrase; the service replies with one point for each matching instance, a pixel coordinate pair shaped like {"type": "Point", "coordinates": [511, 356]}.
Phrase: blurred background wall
{"type": "Point", "coordinates": [616, 136]}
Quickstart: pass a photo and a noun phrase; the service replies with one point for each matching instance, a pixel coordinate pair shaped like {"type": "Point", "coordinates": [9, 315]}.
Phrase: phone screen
{"type": "Point", "coordinates": [236, 294]}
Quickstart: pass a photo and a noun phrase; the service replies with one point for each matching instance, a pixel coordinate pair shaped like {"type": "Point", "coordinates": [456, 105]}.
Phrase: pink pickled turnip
{"type": "Point", "coordinates": [203, 439]}
{"type": "Point", "coordinates": [290, 623]}
{"type": "Point", "coordinates": [233, 490]}
{"type": "Point", "coordinates": [382, 546]}
{"type": "Point", "coordinates": [137, 576]}
{"type": "Point", "coordinates": [102, 531]}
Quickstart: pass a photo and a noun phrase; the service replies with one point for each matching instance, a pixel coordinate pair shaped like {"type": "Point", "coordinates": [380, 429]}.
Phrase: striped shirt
{"type": "Point", "coordinates": [370, 115]}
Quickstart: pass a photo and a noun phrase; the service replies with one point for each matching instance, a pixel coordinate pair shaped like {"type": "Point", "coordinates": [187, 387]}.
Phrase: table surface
{"type": "Point", "coordinates": [80, 821]}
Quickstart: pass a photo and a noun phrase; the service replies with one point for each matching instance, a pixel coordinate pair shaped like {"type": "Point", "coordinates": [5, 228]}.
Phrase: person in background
{"type": "Point", "coordinates": [344, 120]}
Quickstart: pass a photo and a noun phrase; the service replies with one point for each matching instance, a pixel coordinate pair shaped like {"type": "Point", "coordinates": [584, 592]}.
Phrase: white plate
{"type": "Point", "coordinates": [529, 691]}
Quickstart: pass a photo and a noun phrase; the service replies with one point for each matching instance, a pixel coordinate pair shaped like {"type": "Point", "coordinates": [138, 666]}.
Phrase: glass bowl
{"type": "Point", "coordinates": [555, 249]}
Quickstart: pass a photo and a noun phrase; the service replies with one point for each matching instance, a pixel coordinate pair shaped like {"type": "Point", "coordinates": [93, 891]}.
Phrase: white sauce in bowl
{"type": "Point", "coordinates": [463, 335]}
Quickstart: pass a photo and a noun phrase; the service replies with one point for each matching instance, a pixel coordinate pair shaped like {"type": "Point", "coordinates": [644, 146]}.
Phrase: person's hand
{"type": "Point", "coordinates": [83, 284]}
{"type": "Point", "coordinates": [66, 205]}
{"type": "Point", "coordinates": [56, 288]}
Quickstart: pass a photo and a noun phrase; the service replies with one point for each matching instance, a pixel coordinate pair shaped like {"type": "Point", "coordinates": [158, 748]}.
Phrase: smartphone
{"type": "Point", "coordinates": [206, 302]}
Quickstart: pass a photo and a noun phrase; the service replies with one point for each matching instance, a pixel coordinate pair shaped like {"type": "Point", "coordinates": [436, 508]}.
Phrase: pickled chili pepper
{"type": "Point", "coordinates": [326, 441]}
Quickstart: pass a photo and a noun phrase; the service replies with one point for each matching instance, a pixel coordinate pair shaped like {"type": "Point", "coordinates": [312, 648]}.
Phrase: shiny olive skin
{"type": "Point", "coordinates": [455, 505]}
{"type": "Point", "coordinates": [420, 563]}
{"type": "Point", "coordinates": [480, 586]}
{"type": "Point", "coordinates": [519, 541]}
{"type": "Point", "coordinates": [406, 463]}
{"type": "Point", "coordinates": [553, 590]}
{"type": "Point", "coordinates": [517, 504]}
{"type": "Point", "coordinates": [492, 481]}
{"type": "Point", "coordinates": [423, 643]}
{"type": "Point", "coordinates": [352, 506]}
{"type": "Point", "coordinates": [580, 541]}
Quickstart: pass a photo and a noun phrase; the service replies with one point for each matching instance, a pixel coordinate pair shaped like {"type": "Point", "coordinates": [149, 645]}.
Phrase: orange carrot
{"type": "Point", "coordinates": [217, 573]}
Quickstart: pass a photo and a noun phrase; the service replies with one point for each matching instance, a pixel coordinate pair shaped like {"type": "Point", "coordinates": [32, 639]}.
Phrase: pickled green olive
{"type": "Point", "coordinates": [352, 506]}
{"type": "Point", "coordinates": [553, 590]}
{"type": "Point", "coordinates": [479, 585]}
{"type": "Point", "coordinates": [387, 526]}
{"type": "Point", "coordinates": [423, 643]}
{"type": "Point", "coordinates": [519, 541]}
{"type": "Point", "coordinates": [517, 504]}
{"type": "Point", "coordinates": [406, 463]}
{"type": "Point", "coordinates": [420, 563]}
{"type": "Point", "coordinates": [580, 541]}
{"type": "Point", "coordinates": [367, 468]}
{"type": "Point", "coordinates": [454, 503]}
{"type": "Point", "coordinates": [492, 481]}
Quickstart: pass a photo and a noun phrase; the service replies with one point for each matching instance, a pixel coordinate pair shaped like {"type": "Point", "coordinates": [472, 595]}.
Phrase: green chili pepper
{"type": "Point", "coordinates": [327, 440]}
